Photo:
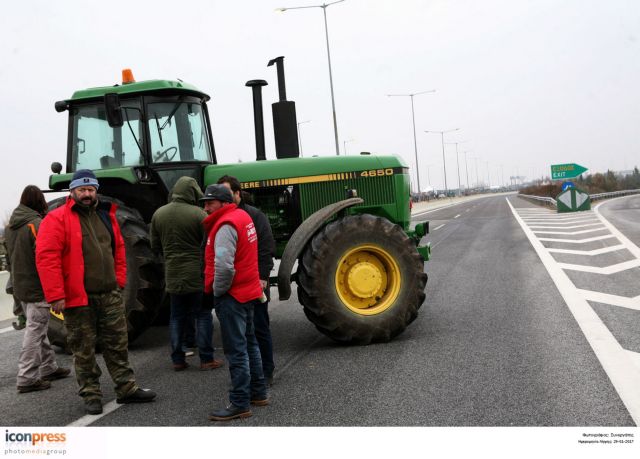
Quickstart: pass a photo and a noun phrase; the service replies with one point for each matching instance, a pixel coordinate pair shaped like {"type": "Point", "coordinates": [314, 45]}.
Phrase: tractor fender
{"type": "Point", "coordinates": [299, 240]}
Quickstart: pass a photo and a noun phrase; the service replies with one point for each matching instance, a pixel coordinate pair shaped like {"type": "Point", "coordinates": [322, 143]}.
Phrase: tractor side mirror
{"type": "Point", "coordinates": [113, 109]}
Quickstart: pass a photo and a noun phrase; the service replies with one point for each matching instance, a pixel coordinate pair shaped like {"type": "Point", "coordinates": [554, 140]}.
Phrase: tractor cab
{"type": "Point", "coordinates": [151, 132]}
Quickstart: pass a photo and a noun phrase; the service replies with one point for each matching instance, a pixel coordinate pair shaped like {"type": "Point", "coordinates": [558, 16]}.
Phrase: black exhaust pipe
{"type": "Point", "coordinates": [285, 123]}
{"type": "Point", "coordinates": [258, 120]}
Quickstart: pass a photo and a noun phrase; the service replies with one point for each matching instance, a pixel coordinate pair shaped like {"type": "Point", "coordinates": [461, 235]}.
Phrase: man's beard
{"type": "Point", "coordinates": [87, 201]}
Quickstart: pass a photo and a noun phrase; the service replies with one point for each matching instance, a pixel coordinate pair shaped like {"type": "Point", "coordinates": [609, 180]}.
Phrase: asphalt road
{"type": "Point", "coordinates": [495, 344]}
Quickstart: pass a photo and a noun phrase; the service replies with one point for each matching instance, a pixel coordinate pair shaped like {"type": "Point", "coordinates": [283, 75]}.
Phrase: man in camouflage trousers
{"type": "Point", "coordinates": [80, 257]}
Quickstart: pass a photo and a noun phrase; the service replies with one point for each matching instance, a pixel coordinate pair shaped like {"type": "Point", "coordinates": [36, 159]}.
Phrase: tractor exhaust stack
{"type": "Point", "coordinates": [258, 120]}
{"type": "Point", "coordinates": [285, 124]}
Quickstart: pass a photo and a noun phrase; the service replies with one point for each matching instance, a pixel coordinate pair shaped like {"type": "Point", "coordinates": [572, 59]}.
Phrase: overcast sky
{"type": "Point", "coordinates": [529, 83]}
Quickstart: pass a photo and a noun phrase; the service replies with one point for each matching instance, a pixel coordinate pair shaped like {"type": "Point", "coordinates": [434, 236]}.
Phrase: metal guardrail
{"type": "Point", "coordinates": [594, 197]}
{"type": "Point", "coordinates": [613, 194]}
{"type": "Point", "coordinates": [545, 200]}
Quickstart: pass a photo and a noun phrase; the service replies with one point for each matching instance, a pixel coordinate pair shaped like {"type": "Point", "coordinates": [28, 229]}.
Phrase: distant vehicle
{"type": "Point", "coordinates": [441, 195]}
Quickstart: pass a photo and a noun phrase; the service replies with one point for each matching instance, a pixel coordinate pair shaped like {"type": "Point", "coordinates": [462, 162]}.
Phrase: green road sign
{"type": "Point", "coordinates": [566, 171]}
{"type": "Point", "coordinates": [573, 200]}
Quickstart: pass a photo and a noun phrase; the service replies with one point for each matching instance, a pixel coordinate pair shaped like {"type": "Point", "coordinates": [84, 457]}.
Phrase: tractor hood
{"type": "Point", "coordinates": [306, 170]}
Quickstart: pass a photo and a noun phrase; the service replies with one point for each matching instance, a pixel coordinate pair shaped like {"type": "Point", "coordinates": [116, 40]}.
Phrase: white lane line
{"type": "Point", "coordinates": [571, 233]}
{"type": "Point", "coordinates": [456, 216]}
{"type": "Point", "coordinates": [612, 269]}
{"type": "Point", "coordinates": [615, 361]}
{"type": "Point", "coordinates": [613, 300]}
{"type": "Point", "coordinates": [577, 241]}
{"type": "Point", "coordinates": [435, 229]}
{"type": "Point", "coordinates": [591, 218]}
{"type": "Point", "coordinates": [91, 418]}
{"type": "Point", "coordinates": [5, 330]}
{"type": "Point", "coordinates": [590, 253]}
{"type": "Point", "coordinates": [556, 226]}
{"type": "Point", "coordinates": [635, 358]}
{"type": "Point", "coordinates": [634, 249]}
{"type": "Point", "coordinates": [467, 210]}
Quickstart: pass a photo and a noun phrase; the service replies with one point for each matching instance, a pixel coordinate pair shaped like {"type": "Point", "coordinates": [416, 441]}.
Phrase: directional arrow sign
{"type": "Point", "coordinates": [565, 171]}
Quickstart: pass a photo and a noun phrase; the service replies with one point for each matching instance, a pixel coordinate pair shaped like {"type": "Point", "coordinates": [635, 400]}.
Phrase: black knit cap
{"type": "Point", "coordinates": [219, 192]}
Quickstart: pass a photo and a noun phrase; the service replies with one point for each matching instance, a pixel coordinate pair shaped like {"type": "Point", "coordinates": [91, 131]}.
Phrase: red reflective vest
{"type": "Point", "coordinates": [246, 281]}
{"type": "Point", "coordinates": [59, 258]}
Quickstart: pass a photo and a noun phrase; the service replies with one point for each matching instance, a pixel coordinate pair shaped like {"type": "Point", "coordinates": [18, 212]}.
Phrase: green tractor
{"type": "Point", "coordinates": [344, 220]}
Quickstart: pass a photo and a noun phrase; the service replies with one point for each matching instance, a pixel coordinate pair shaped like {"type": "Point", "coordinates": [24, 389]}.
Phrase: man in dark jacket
{"type": "Point", "coordinates": [80, 257]}
{"type": "Point", "coordinates": [177, 233]}
{"type": "Point", "coordinates": [266, 252]}
{"type": "Point", "coordinates": [37, 365]}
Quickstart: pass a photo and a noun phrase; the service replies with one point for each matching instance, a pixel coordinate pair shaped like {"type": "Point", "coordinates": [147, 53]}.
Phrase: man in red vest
{"type": "Point", "coordinates": [231, 273]}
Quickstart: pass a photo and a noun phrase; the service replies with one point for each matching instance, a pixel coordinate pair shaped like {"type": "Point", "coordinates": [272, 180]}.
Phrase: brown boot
{"type": "Point", "coordinates": [38, 385]}
{"type": "Point", "coordinates": [215, 363]}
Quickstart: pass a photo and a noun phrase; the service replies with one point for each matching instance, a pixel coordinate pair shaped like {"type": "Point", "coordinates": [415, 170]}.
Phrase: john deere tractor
{"type": "Point", "coordinates": [344, 219]}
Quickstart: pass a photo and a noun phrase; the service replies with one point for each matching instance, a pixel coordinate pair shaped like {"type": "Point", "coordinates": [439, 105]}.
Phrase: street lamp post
{"type": "Point", "coordinates": [466, 166]}
{"type": "Point", "coordinates": [444, 161]}
{"type": "Point", "coordinates": [344, 144]}
{"type": "Point", "coordinates": [458, 163]}
{"type": "Point", "coordinates": [300, 138]}
{"type": "Point", "coordinates": [326, 31]}
{"type": "Point", "coordinates": [413, 118]}
{"type": "Point", "coordinates": [428, 178]}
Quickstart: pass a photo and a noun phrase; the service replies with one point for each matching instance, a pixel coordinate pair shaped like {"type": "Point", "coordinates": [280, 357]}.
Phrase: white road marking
{"type": "Point", "coordinates": [616, 361]}
{"type": "Point", "coordinates": [614, 300]}
{"type": "Point", "coordinates": [587, 218]}
{"type": "Point", "coordinates": [561, 226]}
{"type": "Point", "coordinates": [571, 233]}
{"type": "Point", "coordinates": [634, 249]}
{"type": "Point", "coordinates": [590, 253]}
{"type": "Point", "coordinates": [5, 330]}
{"type": "Point", "coordinates": [91, 418]}
{"type": "Point", "coordinates": [435, 229]}
{"type": "Point", "coordinates": [577, 241]}
{"type": "Point", "coordinates": [456, 216]}
{"type": "Point", "coordinates": [612, 269]}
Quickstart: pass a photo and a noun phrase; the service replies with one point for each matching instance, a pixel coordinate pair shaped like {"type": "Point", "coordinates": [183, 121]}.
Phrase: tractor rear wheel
{"type": "Point", "coordinates": [143, 294]}
{"type": "Point", "coordinates": [361, 280]}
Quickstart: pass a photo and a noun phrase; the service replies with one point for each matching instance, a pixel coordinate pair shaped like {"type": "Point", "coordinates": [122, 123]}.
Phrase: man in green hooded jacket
{"type": "Point", "coordinates": [177, 233]}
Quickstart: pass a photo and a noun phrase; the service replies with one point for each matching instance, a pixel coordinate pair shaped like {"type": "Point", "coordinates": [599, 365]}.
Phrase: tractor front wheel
{"type": "Point", "coordinates": [361, 280]}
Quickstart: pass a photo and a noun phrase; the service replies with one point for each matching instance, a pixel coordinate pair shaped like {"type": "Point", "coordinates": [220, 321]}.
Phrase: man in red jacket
{"type": "Point", "coordinates": [231, 273]}
{"type": "Point", "coordinates": [80, 258]}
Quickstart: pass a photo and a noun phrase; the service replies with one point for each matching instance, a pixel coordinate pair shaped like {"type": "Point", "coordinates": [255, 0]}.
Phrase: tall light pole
{"type": "Point", "coordinates": [477, 177]}
{"type": "Point", "coordinates": [345, 145]}
{"type": "Point", "coordinates": [466, 166]}
{"type": "Point", "coordinates": [413, 118]}
{"type": "Point", "coordinates": [429, 178]}
{"type": "Point", "coordinates": [444, 161]}
{"type": "Point", "coordinates": [326, 31]}
{"type": "Point", "coordinates": [300, 138]}
{"type": "Point", "coordinates": [458, 163]}
{"type": "Point", "coordinates": [488, 176]}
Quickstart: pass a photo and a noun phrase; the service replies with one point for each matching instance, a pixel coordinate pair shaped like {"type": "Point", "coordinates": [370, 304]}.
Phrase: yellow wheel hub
{"type": "Point", "coordinates": [368, 279]}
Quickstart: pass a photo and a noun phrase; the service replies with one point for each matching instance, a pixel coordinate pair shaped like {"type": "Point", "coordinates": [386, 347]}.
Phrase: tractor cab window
{"type": "Point", "coordinates": [177, 131]}
{"type": "Point", "coordinates": [96, 145]}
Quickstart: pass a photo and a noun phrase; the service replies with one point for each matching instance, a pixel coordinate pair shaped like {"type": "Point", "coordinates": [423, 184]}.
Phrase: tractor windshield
{"type": "Point", "coordinates": [96, 145]}
{"type": "Point", "coordinates": [177, 131]}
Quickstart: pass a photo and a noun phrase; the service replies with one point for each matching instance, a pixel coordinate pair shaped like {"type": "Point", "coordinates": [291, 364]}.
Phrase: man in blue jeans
{"type": "Point", "coordinates": [266, 252]}
{"type": "Point", "coordinates": [231, 273]}
{"type": "Point", "coordinates": [176, 232]}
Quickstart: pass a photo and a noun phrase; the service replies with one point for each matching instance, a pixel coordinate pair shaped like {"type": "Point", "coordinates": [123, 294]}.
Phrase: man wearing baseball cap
{"type": "Point", "coordinates": [80, 257]}
{"type": "Point", "coordinates": [231, 273]}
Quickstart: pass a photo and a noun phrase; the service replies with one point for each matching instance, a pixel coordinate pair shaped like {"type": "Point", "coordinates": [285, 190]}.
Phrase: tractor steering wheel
{"type": "Point", "coordinates": [165, 153]}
